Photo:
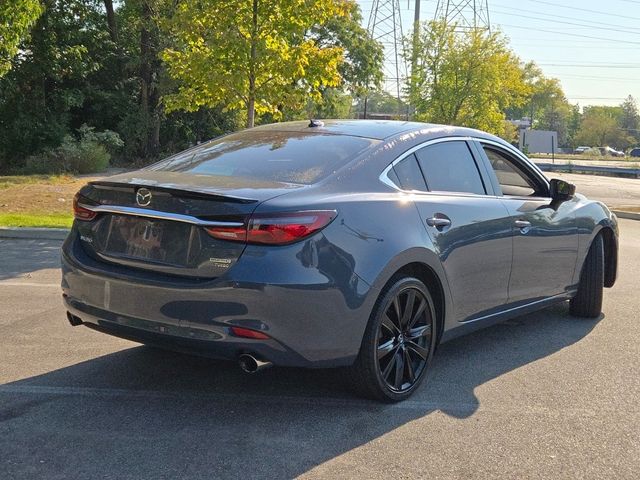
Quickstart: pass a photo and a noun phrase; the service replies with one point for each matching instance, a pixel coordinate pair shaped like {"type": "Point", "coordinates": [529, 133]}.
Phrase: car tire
{"type": "Point", "coordinates": [588, 301]}
{"type": "Point", "coordinates": [396, 345]}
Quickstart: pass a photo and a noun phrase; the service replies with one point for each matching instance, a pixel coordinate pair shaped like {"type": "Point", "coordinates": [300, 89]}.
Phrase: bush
{"type": "Point", "coordinates": [89, 154]}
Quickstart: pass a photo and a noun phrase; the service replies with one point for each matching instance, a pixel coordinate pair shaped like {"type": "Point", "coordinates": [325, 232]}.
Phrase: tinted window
{"type": "Point", "coordinates": [450, 167]}
{"type": "Point", "coordinates": [293, 157]}
{"type": "Point", "coordinates": [409, 174]}
{"type": "Point", "coordinates": [513, 181]}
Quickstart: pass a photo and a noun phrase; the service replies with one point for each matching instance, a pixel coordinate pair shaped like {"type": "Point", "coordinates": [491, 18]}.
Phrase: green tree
{"type": "Point", "coordinates": [630, 120]}
{"type": "Point", "coordinates": [16, 19]}
{"type": "Point", "coordinates": [380, 102]}
{"type": "Point", "coordinates": [84, 65]}
{"type": "Point", "coordinates": [363, 56]}
{"type": "Point", "coordinates": [361, 69]}
{"type": "Point", "coordinates": [600, 126]}
{"type": "Point", "coordinates": [466, 78]}
{"type": "Point", "coordinates": [253, 55]}
{"type": "Point", "coordinates": [547, 106]}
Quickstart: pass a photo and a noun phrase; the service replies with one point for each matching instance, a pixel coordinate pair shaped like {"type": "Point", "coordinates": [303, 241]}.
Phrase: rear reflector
{"type": "Point", "coordinates": [276, 229]}
{"type": "Point", "coordinates": [248, 333]}
{"type": "Point", "coordinates": [81, 213]}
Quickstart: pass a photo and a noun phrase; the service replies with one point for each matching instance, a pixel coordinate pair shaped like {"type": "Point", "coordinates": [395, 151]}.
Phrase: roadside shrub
{"type": "Point", "coordinates": [88, 154]}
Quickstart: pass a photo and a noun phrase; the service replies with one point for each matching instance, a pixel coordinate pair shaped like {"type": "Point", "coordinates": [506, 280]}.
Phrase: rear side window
{"type": "Point", "coordinates": [292, 157]}
{"type": "Point", "coordinates": [450, 167]}
{"type": "Point", "coordinates": [409, 174]}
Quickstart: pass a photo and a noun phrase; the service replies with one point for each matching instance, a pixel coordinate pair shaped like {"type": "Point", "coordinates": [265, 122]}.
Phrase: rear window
{"type": "Point", "coordinates": [292, 157]}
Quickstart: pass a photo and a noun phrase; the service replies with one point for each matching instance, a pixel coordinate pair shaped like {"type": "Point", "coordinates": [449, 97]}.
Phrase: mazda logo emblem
{"type": "Point", "coordinates": [143, 197]}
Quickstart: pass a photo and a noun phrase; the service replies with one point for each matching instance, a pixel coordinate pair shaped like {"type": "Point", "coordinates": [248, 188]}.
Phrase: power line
{"type": "Point", "coordinates": [600, 12]}
{"type": "Point", "coordinates": [571, 34]}
{"type": "Point", "coordinates": [613, 27]}
{"type": "Point", "coordinates": [580, 97]}
{"type": "Point", "coordinates": [595, 77]}
{"type": "Point", "coordinates": [586, 65]}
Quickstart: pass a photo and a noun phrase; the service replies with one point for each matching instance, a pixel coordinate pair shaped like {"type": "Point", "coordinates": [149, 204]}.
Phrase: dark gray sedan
{"type": "Point", "coordinates": [360, 244]}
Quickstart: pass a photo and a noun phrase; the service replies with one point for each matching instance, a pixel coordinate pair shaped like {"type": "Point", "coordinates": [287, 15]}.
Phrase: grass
{"type": "Point", "coordinates": [36, 220]}
{"type": "Point", "coordinates": [12, 180]}
{"type": "Point", "coordinates": [38, 200]}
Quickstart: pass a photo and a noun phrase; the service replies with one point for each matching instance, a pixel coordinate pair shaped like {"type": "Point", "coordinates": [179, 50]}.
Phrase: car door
{"type": "Point", "coordinates": [470, 229]}
{"type": "Point", "coordinates": [545, 241]}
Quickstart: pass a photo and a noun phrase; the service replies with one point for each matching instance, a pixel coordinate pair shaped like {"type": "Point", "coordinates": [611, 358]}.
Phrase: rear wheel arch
{"type": "Point", "coordinates": [430, 278]}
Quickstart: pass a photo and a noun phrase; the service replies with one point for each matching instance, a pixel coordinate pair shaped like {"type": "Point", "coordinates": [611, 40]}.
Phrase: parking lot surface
{"type": "Point", "coordinates": [542, 396]}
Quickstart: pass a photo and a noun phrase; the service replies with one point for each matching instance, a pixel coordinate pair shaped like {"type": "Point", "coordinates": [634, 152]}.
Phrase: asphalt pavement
{"type": "Point", "coordinates": [615, 192]}
{"type": "Point", "coordinates": [543, 396]}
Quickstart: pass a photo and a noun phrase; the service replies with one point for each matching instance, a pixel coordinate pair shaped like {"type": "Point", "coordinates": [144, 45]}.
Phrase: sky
{"type": "Point", "coordinates": [592, 47]}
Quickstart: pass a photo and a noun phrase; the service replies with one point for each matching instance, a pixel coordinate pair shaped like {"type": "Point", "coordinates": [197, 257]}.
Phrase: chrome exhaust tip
{"type": "Point", "coordinates": [250, 364]}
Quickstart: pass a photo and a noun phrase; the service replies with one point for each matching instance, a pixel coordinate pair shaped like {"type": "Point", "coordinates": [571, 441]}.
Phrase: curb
{"type": "Point", "coordinates": [34, 233]}
{"type": "Point", "coordinates": [627, 215]}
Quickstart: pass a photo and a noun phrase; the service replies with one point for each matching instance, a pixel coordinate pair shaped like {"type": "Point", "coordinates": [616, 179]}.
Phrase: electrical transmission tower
{"type": "Point", "coordinates": [465, 14]}
{"type": "Point", "coordinates": [385, 26]}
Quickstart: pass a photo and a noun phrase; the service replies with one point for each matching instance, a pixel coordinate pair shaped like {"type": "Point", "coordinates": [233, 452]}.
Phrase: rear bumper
{"type": "Point", "coordinates": [315, 318]}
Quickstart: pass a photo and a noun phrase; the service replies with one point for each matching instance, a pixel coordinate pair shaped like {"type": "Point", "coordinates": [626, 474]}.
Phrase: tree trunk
{"type": "Point", "coordinates": [111, 20]}
{"type": "Point", "coordinates": [251, 101]}
{"type": "Point", "coordinates": [149, 95]}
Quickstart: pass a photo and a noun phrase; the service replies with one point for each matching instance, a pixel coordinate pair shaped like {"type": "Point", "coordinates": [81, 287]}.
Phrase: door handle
{"type": "Point", "coordinates": [438, 222]}
{"type": "Point", "coordinates": [522, 224]}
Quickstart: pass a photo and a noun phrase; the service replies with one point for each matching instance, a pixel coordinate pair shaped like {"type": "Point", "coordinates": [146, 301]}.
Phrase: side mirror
{"type": "Point", "coordinates": [560, 190]}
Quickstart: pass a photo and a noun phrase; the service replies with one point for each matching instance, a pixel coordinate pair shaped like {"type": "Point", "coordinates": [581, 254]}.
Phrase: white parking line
{"type": "Point", "coordinates": [28, 284]}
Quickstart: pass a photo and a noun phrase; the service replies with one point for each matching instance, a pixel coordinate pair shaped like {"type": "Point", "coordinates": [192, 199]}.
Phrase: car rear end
{"type": "Point", "coordinates": [187, 254]}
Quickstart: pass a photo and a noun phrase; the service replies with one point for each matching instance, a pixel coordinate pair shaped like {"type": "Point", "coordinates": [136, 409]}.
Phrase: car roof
{"type": "Point", "coordinates": [376, 129]}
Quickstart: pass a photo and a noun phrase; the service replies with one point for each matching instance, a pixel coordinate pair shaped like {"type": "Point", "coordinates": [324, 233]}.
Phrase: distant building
{"type": "Point", "coordinates": [522, 123]}
{"type": "Point", "coordinates": [538, 141]}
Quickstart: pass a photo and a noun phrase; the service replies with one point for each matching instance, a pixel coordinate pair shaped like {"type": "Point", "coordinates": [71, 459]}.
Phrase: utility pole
{"type": "Point", "coordinates": [464, 14]}
{"type": "Point", "coordinates": [414, 56]}
{"type": "Point", "coordinates": [385, 26]}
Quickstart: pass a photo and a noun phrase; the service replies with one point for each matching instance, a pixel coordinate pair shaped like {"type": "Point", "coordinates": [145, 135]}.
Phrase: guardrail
{"type": "Point", "coordinates": [594, 169]}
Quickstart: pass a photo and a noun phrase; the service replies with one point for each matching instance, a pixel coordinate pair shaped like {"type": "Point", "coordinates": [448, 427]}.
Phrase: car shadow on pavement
{"type": "Point", "coordinates": [145, 413]}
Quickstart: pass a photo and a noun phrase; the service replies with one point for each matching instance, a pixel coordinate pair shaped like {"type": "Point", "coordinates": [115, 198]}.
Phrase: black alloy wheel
{"type": "Point", "coordinates": [399, 342]}
{"type": "Point", "coordinates": [404, 339]}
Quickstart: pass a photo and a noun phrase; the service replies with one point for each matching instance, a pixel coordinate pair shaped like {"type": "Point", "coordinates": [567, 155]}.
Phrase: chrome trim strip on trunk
{"type": "Point", "coordinates": [142, 212]}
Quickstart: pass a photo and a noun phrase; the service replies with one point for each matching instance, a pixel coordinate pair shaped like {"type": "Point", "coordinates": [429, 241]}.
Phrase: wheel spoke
{"type": "Point", "coordinates": [417, 349]}
{"type": "Point", "coordinates": [390, 325]}
{"type": "Point", "coordinates": [408, 309]}
{"type": "Point", "coordinates": [418, 314]}
{"type": "Point", "coordinates": [416, 333]}
{"type": "Point", "coordinates": [409, 363]}
{"type": "Point", "coordinates": [385, 349]}
{"type": "Point", "coordinates": [396, 308]}
{"type": "Point", "coordinates": [399, 370]}
{"type": "Point", "coordinates": [387, 370]}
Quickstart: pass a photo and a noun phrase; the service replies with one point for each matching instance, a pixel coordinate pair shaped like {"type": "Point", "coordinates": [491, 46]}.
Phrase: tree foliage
{"type": "Point", "coordinates": [601, 126]}
{"type": "Point", "coordinates": [630, 120]}
{"type": "Point", "coordinates": [257, 55]}
{"type": "Point", "coordinates": [546, 106]}
{"type": "Point", "coordinates": [464, 78]}
{"type": "Point", "coordinates": [16, 19]}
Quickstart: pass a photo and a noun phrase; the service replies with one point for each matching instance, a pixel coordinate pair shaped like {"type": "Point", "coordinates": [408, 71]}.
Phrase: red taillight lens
{"type": "Point", "coordinates": [248, 333]}
{"type": "Point", "coordinates": [81, 213]}
{"type": "Point", "coordinates": [276, 229]}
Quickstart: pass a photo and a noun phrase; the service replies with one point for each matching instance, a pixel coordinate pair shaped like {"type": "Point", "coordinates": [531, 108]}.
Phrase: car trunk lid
{"type": "Point", "coordinates": [157, 220]}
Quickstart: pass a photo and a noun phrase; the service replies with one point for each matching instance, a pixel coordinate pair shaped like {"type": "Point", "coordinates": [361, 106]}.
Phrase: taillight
{"type": "Point", "coordinates": [276, 229]}
{"type": "Point", "coordinates": [81, 213]}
